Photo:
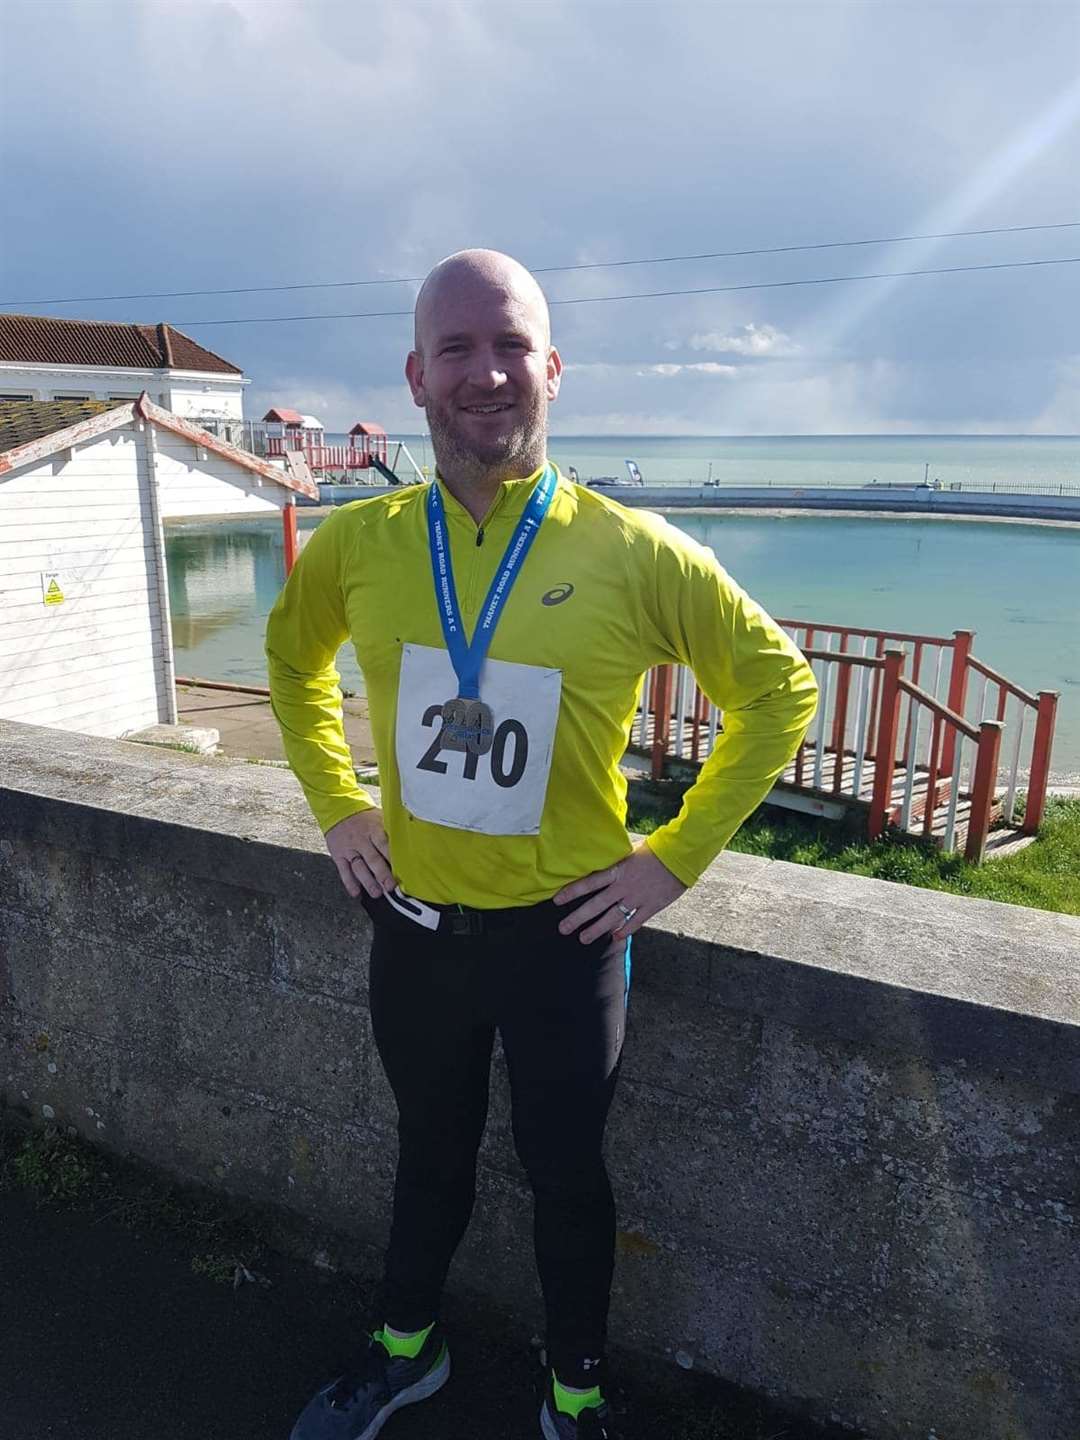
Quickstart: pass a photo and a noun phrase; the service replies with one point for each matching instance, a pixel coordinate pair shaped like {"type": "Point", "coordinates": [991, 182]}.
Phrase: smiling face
{"type": "Point", "coordinates": [483, 368]}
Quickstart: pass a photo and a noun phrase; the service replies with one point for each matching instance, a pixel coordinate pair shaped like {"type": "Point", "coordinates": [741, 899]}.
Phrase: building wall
{"type": "Point", "coordinates": [95, 662]}
{"type": "Point", "coordinates": [201, 398]}
{"type": "Point", "coordinates": [55, 383]}
{"type": "Point", "coordinates": [187, 395]}
{"type": "Point", "coordinates": [193, 481]}
{"type": "Point", "coordinates": [845, 1148]}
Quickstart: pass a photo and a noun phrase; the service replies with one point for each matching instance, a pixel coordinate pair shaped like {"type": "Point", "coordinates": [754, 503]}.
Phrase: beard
{"type": "Point", "coordinates": [509, 456]}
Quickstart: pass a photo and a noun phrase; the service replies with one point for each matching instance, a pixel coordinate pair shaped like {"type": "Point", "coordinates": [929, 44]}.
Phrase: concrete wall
{"type": "Point", "coordinates": [96, 661]}
{"type": "Point", "coordinates": [865, 497]}
{"type": "Point", "coordinates": [846, 1148]}
{"type": "Point", "coordinates": [725, 497]}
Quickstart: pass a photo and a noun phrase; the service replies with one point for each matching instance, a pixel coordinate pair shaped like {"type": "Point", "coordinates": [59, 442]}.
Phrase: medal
{"type": "Point", "coordinates": [454, 714]}
{"type": "Point", "coordinates": [468, 724]}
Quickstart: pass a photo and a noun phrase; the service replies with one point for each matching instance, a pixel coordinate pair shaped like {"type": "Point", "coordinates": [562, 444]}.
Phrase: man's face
{"type": "Point", "coordinates": [484, 373]}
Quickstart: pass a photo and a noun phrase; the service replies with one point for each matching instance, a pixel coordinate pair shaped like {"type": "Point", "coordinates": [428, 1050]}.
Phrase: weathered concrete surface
{"type": "Point", "coordinates": [846, 1149]}
{"type": "Point", "coordinates": [248, 729]}
{"type": "Point", "coordinates": [198, 739]}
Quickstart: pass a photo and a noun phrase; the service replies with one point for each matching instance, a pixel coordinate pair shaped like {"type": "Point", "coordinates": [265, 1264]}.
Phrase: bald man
{"type": "Point", "coordinates": [503, 619]}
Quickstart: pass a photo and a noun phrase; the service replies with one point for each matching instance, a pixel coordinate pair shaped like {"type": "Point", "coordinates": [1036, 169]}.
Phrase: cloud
{"type": "Point", "coordinates": [751, 340]}
{"type": "Point", "coordinates": [248, 175]}
{"type": "Point", "coordinates": [338, 405]}
{"type": "Point", "coordinates": [704, 367]}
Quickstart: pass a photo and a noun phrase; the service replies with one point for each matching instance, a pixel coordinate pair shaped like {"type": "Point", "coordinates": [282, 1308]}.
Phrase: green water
{"type": "Point", "coordinates": [1017, 586]}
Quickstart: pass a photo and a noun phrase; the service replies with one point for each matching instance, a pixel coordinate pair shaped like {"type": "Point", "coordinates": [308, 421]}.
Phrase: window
{"type": "Point", "coordinates": [24, 396]}
{"type": "Point", "coordinates": [117, 395]}
{"type": "Point", "coordinates": [71, 395]}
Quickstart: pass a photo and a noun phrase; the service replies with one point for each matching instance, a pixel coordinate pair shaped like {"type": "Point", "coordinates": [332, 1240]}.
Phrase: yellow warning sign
{"type": "Point", "coordinates": [51, 591]}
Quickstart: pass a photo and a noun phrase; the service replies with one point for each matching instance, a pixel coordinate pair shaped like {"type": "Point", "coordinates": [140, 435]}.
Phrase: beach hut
{"type": "Point", "coordinates": [85, 487]}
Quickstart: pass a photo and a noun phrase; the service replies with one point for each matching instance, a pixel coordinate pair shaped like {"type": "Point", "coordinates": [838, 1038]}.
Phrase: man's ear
{"type": "Point", "coordinates": [414, 374]}
{"type": "Point", "coordinates": [554, 373]}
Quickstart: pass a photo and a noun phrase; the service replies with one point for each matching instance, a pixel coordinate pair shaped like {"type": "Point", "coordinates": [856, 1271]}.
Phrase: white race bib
{"type": "Point", "coordinates": [500, 793]}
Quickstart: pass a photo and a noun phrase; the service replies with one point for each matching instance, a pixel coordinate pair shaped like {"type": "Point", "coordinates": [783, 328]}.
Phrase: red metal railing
{"type": "Point", "coordinates": [323, 457]}
{"type": "Point", "coordinates": [875, 721]}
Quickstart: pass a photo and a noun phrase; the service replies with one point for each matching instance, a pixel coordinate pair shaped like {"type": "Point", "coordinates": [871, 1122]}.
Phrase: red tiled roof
{"type": "Point", "coordinates": [367, 427]}
{"type": "Point", "coordinates": [56, 340]}
{"type": "Point", "coordinates": [281, 416]}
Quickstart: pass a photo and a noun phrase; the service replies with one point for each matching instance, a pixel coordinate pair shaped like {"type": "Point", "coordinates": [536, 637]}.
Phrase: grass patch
{"type": "Point", "coordinates": [53, 1165]}
{"type": "Point", "coordinates": [61, 1169]}
{"type": "Point", "coordinates": [218, 1267]}
{"type": "Point", "coordinates": [1044, 876]}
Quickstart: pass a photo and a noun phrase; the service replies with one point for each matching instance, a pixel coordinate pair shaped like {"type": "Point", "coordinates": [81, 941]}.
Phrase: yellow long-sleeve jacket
{"type": "Point", "coordinates": [604, 594]}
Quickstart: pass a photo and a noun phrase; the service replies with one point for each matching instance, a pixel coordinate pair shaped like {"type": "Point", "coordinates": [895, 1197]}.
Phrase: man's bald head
{"type": "Point", "coordinates": [484, 369]}
{"type": "Point", "coordinates": [473, 273]}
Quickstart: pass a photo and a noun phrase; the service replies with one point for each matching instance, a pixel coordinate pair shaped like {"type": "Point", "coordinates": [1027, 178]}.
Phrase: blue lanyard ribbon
{"type": "Point", "coordinates": [467, 658]}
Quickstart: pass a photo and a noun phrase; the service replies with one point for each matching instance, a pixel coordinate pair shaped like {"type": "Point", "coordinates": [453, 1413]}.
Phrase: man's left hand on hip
{"type": "Point", "coordinates": [621, 898]}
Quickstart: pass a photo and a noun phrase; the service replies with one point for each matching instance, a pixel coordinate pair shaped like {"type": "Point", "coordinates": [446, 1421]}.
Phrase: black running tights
{"type": "Point", "coordinates": [560, 1008]}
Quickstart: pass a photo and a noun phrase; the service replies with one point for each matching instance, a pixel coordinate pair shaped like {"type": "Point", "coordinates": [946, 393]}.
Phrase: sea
{"type": "Point", "coordinates": [974, 461]}
{"type": "Point", "coordinates": [1017, 585]}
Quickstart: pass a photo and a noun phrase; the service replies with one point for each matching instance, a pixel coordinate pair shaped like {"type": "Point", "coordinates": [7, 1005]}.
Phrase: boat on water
{"type": "Point", "coordinates": [634, 481]}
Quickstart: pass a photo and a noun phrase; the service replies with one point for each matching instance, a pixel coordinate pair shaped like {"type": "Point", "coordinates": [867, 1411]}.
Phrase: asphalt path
{"type": "Point", "coordinates": [106, 1333]}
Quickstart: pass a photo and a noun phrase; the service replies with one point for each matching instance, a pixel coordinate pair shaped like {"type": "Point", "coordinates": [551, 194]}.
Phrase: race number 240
{"type": "Point", "coordinates": [508, 756]}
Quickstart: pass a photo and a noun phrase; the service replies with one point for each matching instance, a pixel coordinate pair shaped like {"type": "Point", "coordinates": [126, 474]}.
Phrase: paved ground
{"type": "Point", "coordinates": [248, 727]}
{"type": "Point", "coordinates": [107, 1334]}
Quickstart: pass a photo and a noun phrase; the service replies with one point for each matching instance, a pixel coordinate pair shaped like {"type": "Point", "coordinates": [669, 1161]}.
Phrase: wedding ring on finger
{"type": "Point", "coordinates": [628, 912]}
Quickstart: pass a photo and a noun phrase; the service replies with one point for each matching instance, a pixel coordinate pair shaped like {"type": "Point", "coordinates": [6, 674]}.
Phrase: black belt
{"type": "Point", "coordinates": [463, 921]}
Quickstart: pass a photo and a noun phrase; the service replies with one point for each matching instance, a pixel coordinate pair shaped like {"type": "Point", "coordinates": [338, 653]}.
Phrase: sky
{"type": "Point", "coordinates": [197, 145]}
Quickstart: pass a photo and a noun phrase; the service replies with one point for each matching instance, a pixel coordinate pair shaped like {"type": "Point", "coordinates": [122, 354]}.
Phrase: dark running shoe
{"type": "Point", "coordinates": [358, 1404]}
{"type": "Point", "coordinates": [594, 1422]}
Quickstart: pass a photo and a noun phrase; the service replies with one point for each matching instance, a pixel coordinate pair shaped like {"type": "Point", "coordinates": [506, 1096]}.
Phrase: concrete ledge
{"type": "Point", "coordinates": [196, 739]}
{"type": "Point", "coordinates": [861, 958]}
{"type": "Point", "coordinates": [846, 1148]}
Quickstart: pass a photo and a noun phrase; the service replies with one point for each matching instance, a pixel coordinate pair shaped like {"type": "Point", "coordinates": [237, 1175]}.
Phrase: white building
{"type": "Point", "coordinates": [53, 358]}
{"type": "Point", "coordinates": [85, 640]}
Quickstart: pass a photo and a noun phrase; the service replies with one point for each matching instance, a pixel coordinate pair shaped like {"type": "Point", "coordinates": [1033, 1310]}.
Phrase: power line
{"type": "Point", "coordinates": [659, 294]}
{"type": "Point", "coordinates": [554, 269]}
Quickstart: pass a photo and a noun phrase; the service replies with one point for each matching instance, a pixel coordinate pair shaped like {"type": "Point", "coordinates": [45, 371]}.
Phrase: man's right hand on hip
{"type": "Point", "coordinates": [361, 852]}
